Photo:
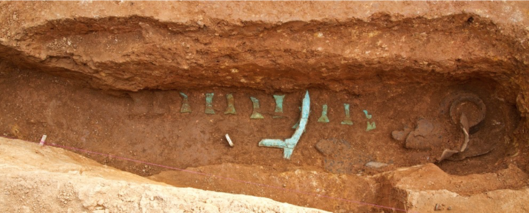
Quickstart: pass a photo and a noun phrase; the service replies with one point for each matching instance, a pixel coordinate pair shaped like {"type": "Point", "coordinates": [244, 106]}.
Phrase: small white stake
{"type": "Point", "coordinates": [43, 140]}
{"type": "Point", "coordinates": [229, 140]}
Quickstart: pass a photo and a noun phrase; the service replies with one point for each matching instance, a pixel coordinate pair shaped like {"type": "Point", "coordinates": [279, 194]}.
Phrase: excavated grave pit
{"type": "Point", "coordinates": [147, 125]}
{"type": "Point", "coordinates": [111, 86]}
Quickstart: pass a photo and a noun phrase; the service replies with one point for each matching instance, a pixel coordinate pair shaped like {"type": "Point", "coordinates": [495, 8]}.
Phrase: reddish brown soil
{"type": "Point", "coordinates": [148, 126]}
{"type": "Point", "coordinates": [105, 77]}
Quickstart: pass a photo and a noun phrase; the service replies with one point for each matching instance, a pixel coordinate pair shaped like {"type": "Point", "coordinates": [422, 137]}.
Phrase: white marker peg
{"type": "Point", "coordinates": [43, 140]}
{"type": "Point", "coordinates": [229, 140]}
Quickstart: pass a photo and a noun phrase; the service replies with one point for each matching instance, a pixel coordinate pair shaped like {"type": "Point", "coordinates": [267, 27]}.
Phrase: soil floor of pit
{"type": "Point", "coordinates": [148, 126]}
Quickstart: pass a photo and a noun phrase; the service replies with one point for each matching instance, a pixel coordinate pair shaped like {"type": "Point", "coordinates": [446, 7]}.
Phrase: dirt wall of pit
{"type": "Point", "coordinates": [48, 179]}
{"type": "Point", "coordinates": [272, 46]}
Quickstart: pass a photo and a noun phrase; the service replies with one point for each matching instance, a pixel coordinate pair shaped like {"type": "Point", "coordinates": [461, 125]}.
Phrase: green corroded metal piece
{"type": "Point", "coordinates": [289, 144]}
{"type": "Point", "coordinates": [368, 116]}
{"type": "Point", "coordinates": [230, 109]}
{"type": "Point", "coordinates": [209, 104]}
{"type": "Point", "coordinates": [347, 120]}
{"type": "Point", "coordinates": [279, 103]}
{"type": "Point", "coordinates": [297, 123]}
{"type": "Point", "coordinates": [255, 113]}
{"type": "Point", "coordinates": [185, 104]}
{"type": "Point", "coordinates": [371, 126]}
{"type": "Point", "coordinates": [324, 118]}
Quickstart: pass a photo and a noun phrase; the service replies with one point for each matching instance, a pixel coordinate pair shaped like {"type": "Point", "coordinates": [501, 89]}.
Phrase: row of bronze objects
{"type": "Point", "coordinates": [230, 109]}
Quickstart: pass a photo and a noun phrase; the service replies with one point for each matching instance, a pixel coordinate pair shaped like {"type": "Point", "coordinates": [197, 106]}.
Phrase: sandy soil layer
{"type": "Point", "coordinates": [47, 179]}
